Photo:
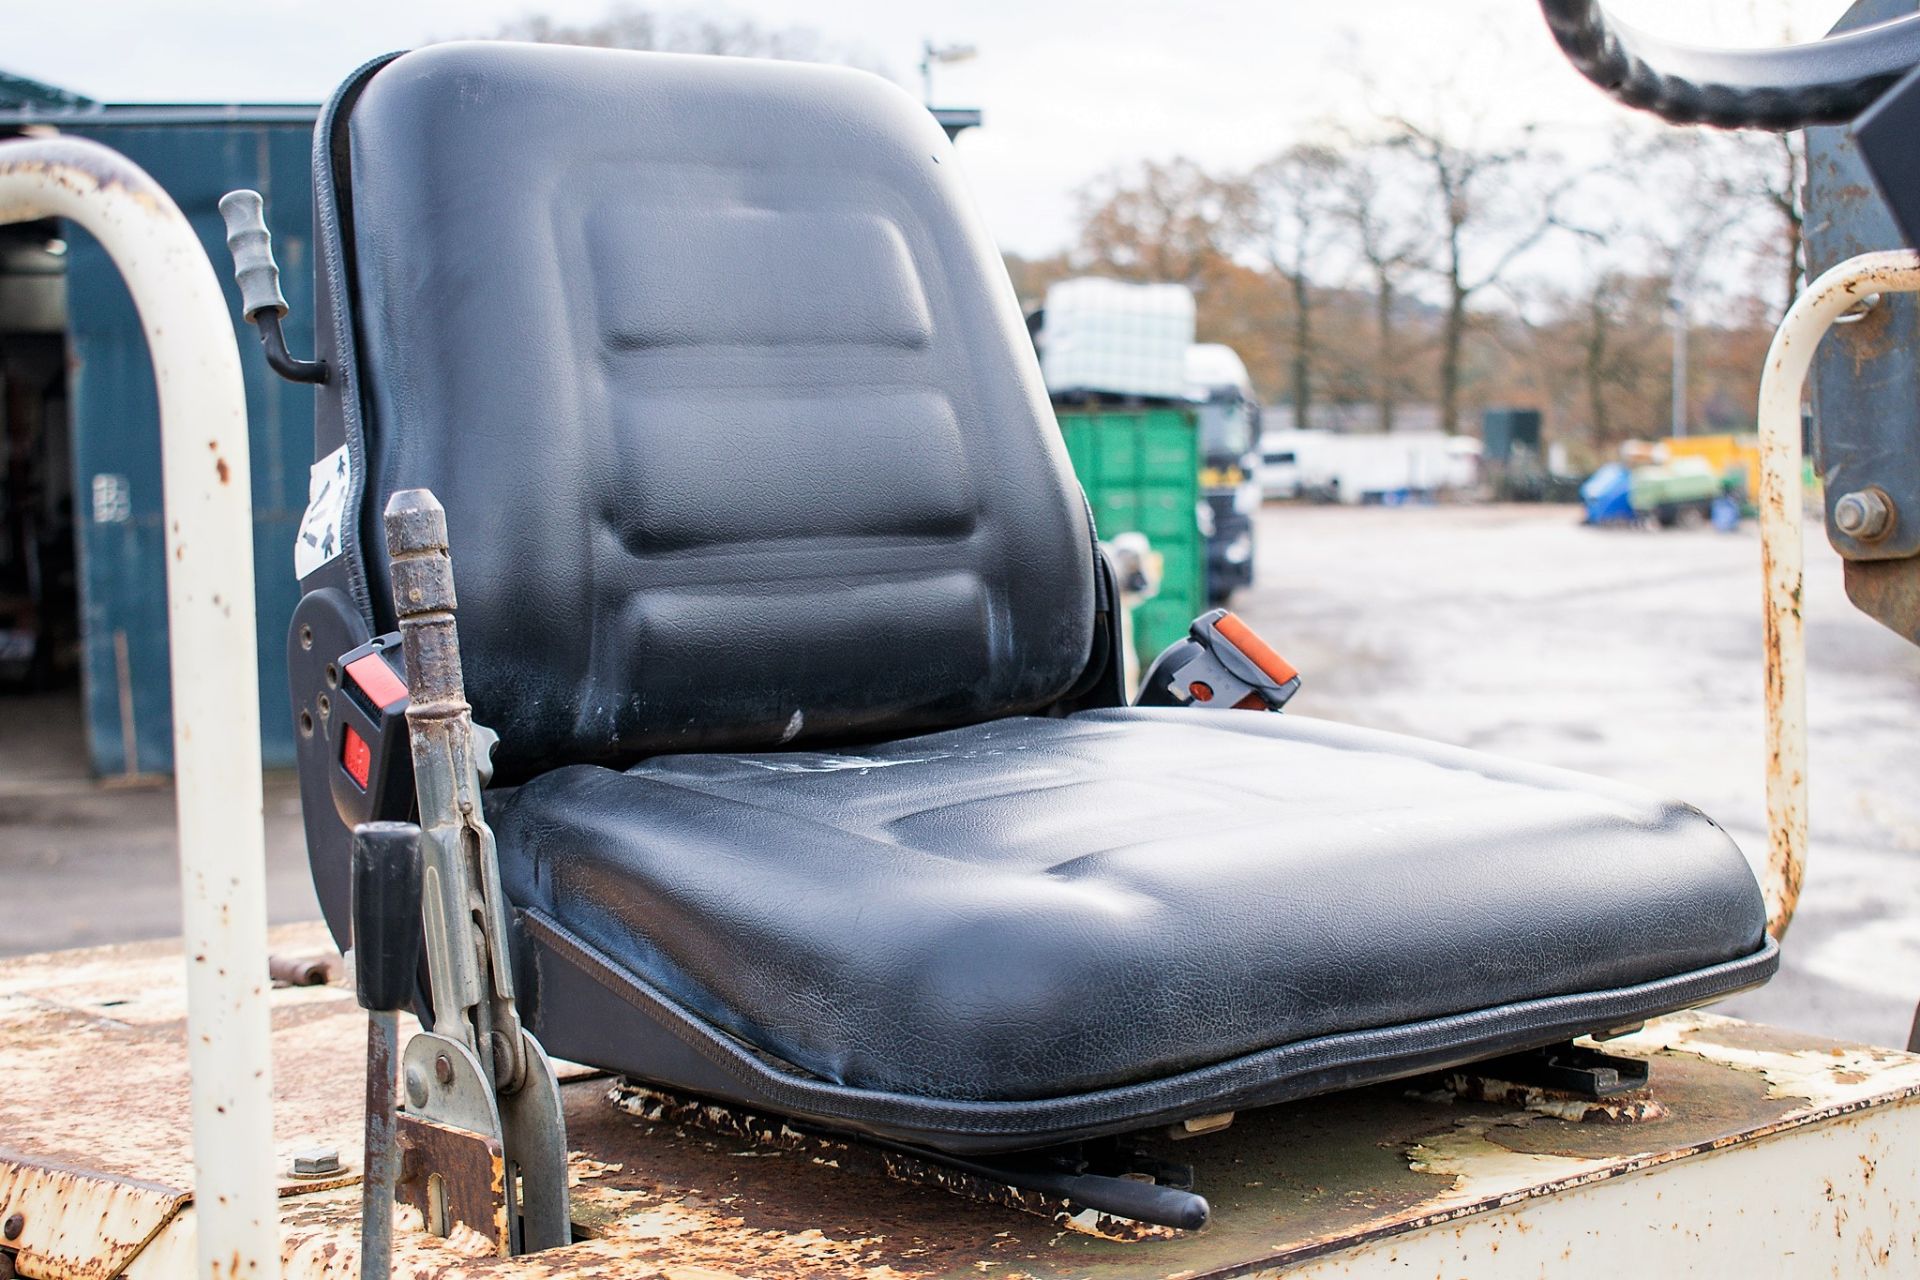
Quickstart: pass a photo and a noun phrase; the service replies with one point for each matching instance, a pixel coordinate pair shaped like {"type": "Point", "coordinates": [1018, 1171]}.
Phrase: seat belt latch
{"type": "Point", "coordinates": [1222, 664]}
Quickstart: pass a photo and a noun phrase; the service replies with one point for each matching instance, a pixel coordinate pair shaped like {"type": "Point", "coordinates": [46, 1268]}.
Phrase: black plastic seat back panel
{"type": "Point", "coordinates": [739, 432]}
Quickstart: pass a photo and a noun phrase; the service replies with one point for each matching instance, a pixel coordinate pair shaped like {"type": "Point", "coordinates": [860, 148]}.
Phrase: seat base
{"type": "Point", "coordinates": [682, 1051]}
{"type": "Point", "coordinates": [1115, 1189]}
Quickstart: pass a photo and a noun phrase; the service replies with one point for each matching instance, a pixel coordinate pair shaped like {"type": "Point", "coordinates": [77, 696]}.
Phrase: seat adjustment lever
{"type": "Point", "coordinates": [479, 1075]}
{"type": "Point", "coordinates": [258, 276]}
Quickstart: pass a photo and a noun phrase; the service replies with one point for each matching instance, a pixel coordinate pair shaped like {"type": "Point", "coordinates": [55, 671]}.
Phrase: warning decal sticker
{"type": "Point", "coordinates": [319, 538]}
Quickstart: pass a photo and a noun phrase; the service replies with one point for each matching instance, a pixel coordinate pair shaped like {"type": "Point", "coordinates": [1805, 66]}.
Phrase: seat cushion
{"type": "Point", "coordinates": [1037, 907]}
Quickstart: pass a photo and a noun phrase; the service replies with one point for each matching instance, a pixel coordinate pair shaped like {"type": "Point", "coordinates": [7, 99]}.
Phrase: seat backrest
{"type": "Point", "coordinates": [725, 390]}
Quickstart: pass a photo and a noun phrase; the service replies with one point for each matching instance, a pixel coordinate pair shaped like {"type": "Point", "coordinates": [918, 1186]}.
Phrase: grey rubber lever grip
{"type": "Point", "coordinates": [251, 245]}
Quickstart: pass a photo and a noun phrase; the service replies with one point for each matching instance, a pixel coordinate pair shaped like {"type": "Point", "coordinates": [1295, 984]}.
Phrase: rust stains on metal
{"type": "Point", "coordinates": [76, 165]}
{"type": "Point", "coordinates": [1629, 1108]}
{"type": "Point", "coordinates": [657, 1199]}
{"type": "Point", "coordinates": [304, 970]}
{"type": "Point", "coordinates": [453, 1179]}
{"type": "Point", "coordinates": [1821, 1074]}
{"type": "Point", "coordinates": [1289, 1184]}
{"type": "Point", "coordinates": [110, 1023]}
{"type": "Point", "coordinates": [69, 1224]}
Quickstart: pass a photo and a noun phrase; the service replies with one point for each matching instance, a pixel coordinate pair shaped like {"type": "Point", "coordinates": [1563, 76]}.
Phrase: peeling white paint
{"type": "Point", "coordinates": [1822, 1076]}
{"type": "Point", "coordinates": [1482, 1169]}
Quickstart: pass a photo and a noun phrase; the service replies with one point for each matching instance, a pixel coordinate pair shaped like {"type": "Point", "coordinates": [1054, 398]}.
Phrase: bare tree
{"type": "Point", "coordinates": [1493, 207]}
{"type": "Point", "coordinates": [629, 26]}
{"type": "Point", "coordinates": [1032, 277]}
{"type": "Point", "coordinates": [1391, 241]}
{"type": "Point", "coordinates": [1168, 221]}
{"type": "Point", "coordinates": [1617, 335]}
{"type": "Point", "coordinates": [1756, 179]}
{"type": "Point", "coordinates": [1287, 212]}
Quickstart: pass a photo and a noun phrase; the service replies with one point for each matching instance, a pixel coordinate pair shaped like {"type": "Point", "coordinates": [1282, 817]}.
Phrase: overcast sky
{"type": "Point", "coordinates": [1070, 88]}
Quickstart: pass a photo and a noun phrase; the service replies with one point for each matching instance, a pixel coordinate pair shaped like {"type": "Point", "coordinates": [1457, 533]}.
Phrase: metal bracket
{"type": "Point", "coordinates": [1569, 1068]}
{"type": "Point", "coordinates": [454, 1177]}
{"type": "Point", "coordinates": [1108, 1189]}
{"type": "Point", "coordinates": [1866, 374]}
{"type": "Point", "coordinates": [453, 1118]}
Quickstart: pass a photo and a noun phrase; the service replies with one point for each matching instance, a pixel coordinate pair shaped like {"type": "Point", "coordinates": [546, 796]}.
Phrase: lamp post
{"type": "Point", "coordinates": [932, 54]}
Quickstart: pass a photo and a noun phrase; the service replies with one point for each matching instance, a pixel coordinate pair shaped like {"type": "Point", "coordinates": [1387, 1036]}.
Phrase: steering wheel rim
{"type": "Point", "coordinates": [1826, 81]}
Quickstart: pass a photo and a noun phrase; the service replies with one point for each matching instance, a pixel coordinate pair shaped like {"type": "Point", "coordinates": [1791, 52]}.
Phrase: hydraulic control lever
{"type": "Point", "coordinates": [478, 1072]}
{"type": "Point", "coordinates": [258, 276]}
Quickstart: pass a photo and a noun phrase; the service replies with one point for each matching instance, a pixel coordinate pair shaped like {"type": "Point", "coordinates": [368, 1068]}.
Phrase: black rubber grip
{"type": "Point", "coordinates": [1826, 81]}
{"type": "Point", "coordinates": [386, 913]}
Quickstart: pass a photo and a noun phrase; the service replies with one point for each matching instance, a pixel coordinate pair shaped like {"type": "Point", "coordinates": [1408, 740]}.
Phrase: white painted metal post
{"type": "Point", "coordinates": [1788, 360]}
{"type": "Point", "coordinates": [216, 709]}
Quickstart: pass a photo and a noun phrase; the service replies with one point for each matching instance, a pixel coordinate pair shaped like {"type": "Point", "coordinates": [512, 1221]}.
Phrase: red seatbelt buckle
{"type": "Point", "coordinates": [356, 757]}
{"type": "Point", "coordinates": [368, 721]}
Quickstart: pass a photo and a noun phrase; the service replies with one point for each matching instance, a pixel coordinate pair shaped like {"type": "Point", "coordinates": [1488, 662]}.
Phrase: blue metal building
{"type": "Point", "coordinates": [111, 511]}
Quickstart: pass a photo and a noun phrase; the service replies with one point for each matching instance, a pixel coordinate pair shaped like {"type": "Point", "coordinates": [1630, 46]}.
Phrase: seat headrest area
{"type": "Point", "coordinates": [740, 434]}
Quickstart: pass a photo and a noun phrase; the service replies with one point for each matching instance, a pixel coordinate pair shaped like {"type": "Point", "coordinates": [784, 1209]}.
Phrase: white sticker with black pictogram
{"type": "Point", "coordinates": [319, 538]}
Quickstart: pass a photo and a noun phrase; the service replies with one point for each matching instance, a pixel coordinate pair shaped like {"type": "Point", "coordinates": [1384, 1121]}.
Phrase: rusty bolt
{"type": "Point", "coordinates": [16, 1223]}
{"type": "Point", "coordinates": [316, 1162]}
{"type": "Point", "coordinates": [443, 1068]}
{"type": "Point", "coordinates": [1864, 516]}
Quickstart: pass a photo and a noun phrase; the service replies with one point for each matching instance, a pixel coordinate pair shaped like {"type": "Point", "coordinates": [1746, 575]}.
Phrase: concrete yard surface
{"type": "Point", "coordinates": [1633, 654]}
{"type": "Point", "coordinates": [86, 861]}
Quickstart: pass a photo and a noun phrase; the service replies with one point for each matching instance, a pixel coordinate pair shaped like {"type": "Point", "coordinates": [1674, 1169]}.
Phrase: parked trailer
{"type": "Point", "coordinates": [1359, 468]}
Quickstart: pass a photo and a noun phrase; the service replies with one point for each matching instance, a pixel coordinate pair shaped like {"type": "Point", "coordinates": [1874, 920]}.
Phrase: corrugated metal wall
{"type": "Point", "coordinates": [116, 434]}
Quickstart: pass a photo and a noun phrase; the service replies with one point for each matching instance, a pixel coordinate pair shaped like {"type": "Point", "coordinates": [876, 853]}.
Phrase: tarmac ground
{"type": "Point", "coordinates": [1634, 654]}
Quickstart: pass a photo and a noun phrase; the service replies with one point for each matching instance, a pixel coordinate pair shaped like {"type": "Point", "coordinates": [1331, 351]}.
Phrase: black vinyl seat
{"type": "Point", "coordinates": [813, 792]}
{"type": "Point", "coordinates": [1036, 907]}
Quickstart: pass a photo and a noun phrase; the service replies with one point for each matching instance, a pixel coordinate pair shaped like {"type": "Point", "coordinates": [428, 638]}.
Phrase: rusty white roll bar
{"type": "Point", "coordinates": [216, 705]}
{"type": "Point", "coordinates": [1836, 292]}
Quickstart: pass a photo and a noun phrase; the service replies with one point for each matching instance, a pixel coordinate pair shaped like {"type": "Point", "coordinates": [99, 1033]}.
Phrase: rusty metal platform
{"type": "Point", "coordinates": [1761, 1148]}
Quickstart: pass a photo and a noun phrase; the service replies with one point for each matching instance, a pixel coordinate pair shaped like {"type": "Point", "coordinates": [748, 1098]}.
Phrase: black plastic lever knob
{"type": "Point", "coordinates": [386, 913]}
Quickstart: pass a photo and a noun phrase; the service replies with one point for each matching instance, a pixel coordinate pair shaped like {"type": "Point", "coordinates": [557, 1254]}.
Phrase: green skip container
{"type": "Point", "coordinates": [1140, 467]}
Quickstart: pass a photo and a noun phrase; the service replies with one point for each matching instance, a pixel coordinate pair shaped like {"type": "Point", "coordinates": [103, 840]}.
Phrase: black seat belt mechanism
{"type": "Point", "coordinates": [1221, 665]}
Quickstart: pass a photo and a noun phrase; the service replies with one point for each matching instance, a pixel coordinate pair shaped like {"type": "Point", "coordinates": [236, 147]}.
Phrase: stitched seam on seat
{"type": "Point", "coordinates": [1215, 1081]}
